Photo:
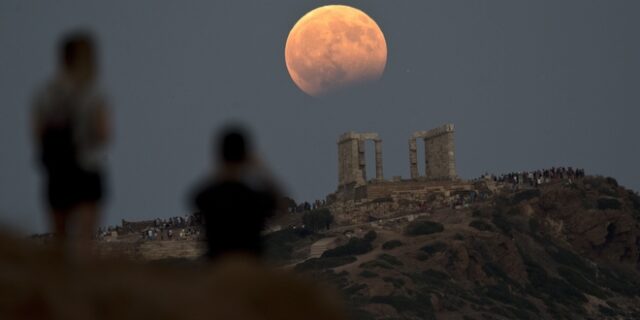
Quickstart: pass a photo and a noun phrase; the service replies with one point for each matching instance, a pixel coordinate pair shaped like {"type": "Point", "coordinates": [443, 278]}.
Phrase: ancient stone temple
{"type": "Point", "coordinates": [439, 155]}
{"type": "Point", "coordinates": [359, 199]}
{"type": "Point", "coordinates": [352, 161]}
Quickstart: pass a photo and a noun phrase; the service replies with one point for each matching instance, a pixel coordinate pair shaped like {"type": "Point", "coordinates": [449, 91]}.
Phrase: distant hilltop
{"type": "Point", "coordinates": [358, 199]}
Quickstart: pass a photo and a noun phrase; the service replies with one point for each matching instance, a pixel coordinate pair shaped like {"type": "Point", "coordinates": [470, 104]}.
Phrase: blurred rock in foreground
{"type": "Point", "coordinates": [37, 283]}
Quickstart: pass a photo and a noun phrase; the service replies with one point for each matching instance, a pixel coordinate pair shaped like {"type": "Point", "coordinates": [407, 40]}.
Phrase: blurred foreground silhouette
{"type": "Point", "coordinates": [236, 199]}
{"type": "Point", "coordinates": [37, 283]}
{"type": "Point", "coordinates": [71, 131]}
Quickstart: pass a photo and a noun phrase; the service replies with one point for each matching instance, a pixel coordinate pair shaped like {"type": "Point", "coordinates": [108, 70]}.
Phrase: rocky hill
{"type": "Point", "coordinates": [564, 250]}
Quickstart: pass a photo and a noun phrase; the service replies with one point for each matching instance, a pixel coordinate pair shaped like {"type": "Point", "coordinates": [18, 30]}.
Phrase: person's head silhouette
{"type": "Point", "coordinates": [77, 56]}
{"type": "Point", "coordinates": [234, 146]}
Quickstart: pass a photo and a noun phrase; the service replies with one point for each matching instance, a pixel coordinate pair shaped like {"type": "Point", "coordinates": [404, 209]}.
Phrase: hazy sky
{"type": "Point", "coordinates": [528, 84]}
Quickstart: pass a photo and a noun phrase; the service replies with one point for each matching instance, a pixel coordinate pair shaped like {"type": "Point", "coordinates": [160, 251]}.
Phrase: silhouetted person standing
{"type": "Point", "coordinates": [71, 131]}
{"type": "Point", "coordinates": [236, 201]}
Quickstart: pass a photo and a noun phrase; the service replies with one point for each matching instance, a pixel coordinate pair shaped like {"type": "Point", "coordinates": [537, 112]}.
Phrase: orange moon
{"type": "Point", "coordinates": [334, 47]}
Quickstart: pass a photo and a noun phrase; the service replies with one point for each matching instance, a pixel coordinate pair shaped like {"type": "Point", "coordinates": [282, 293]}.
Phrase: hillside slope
{"type": "Point", "coordinates": [560, 251]}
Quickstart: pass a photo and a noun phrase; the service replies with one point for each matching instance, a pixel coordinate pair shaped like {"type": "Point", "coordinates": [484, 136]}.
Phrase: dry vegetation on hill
{"type": "Point", "coordinates": [563, 251]}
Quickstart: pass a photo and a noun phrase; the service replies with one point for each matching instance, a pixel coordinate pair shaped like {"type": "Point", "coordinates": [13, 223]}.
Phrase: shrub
{"type": "Point", "coordinates": [554, 290]}
{"type": "Point", "coordinates": [435, 276]}
{"type": "Point", "coordinates": [548, 204]}
{"type": "Point", "coordinates": [422, 256]}
{"type": "Point", "coordinates": [503, 294]}
{"type": "Point", "coordinates": [390, 259]}
{"type": "Point", "coordinates": [396, 282]}
{"type": "Point", "coordinates": [605, 186]}
{"type": "Point", "coordinates": [423, 227]}
{"type": "Point", "coordinates": [324, 263]}
{"type": "Point", "coordinates": [354, 289]}
{"type": "Point", "coordinates": [375, 264]}
{"type": "Point", "coordinates": [480, 225]}
{"type": "Point", "coordinates": [433, 248]}
{"type": "Point", "coordinates": [419, 307]}
{"type": "Point", "coordinates": [502, 223]}
{"type": "Point", "coordinates": [587, 204]}
{"type": "Point", "coordinates": [355, 246]}
{"type": "Point", "coordinates": [320, 219]}
{"type": "Point", "coordinates": [337, 280]}
{"type": "Point", "coordinates": [368, 274]}
{"type": "Point", "coordinates": [279, 244]}
{"type": "Point", "coordinates": [608, 203]}
{"type": "Point", "coordinates": [580, 282]}
{"type": "Point", "coordinates": [370, 236]}
{"type": "Point", "coordinates": [495, 271]}
{"type": "Point", "coordinates": [607, 312]}
{"type": "Point", "coordinates": [281, 252]}
{"type": "Point", "coordinates": [618, 282]}
{"type": "Point", "coordinates": [535, 225]}
{"type": "Point", "coordinates": [568, 258]}
{"type": "Point", "coordinates": [391, 244]}
{"type": "Point", "coordinates": [525, 195]}
{"type": "Point", "coordinates": [287, 235]}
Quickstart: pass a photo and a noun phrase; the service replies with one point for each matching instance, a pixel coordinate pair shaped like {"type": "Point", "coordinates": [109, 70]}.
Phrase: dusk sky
{"type": "Point", "coordinates": [528, 84]}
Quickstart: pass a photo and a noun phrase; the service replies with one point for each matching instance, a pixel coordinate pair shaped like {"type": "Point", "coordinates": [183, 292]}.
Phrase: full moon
{"type": "Point", "coordinates": [334, 47]}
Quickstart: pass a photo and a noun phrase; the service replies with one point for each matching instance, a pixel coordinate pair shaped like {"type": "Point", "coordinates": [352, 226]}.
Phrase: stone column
{"type": "Point", "coordinates": [451, 158]}
{"type": "Point", "coordinates": [427, 170]}
{"type": "Point", "coordinates": [378, 147]}
{"type": "Point", "coordinates": [413, 158]}
{"type": "Point", "coordinates": [362, 162]}
{"type": "Point", "coordinates": [439, 153]}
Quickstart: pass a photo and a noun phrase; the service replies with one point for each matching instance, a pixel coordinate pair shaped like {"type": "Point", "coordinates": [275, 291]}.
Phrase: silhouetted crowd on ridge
{"type": "Point", "coordinates": [538, 177]}
{"type": "Point", "coordinates": [306, 206]}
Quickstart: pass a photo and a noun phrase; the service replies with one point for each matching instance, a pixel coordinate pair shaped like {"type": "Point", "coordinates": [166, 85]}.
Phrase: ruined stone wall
{"type": "Point", "coordinates": [413, 158]}
{"type": "Point", "coordinates": [440, 154]}
{"type": "Point", "coordinates": [352, 160]}
{"type": "Point", "coordinates": [348, 161]}
{"type": "Point", "coordinates": [388, 189]}
{"type": "Point", "coordinates": [352, 212]}
{"type": "Point", "coordinates": [388, 200]}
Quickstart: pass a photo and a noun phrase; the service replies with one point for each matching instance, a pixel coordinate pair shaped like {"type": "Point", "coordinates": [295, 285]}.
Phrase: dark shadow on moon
{"type": "Point", "coordinates": [332, 72]}
{"type": "Point", "coordinates": [362, 87]}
